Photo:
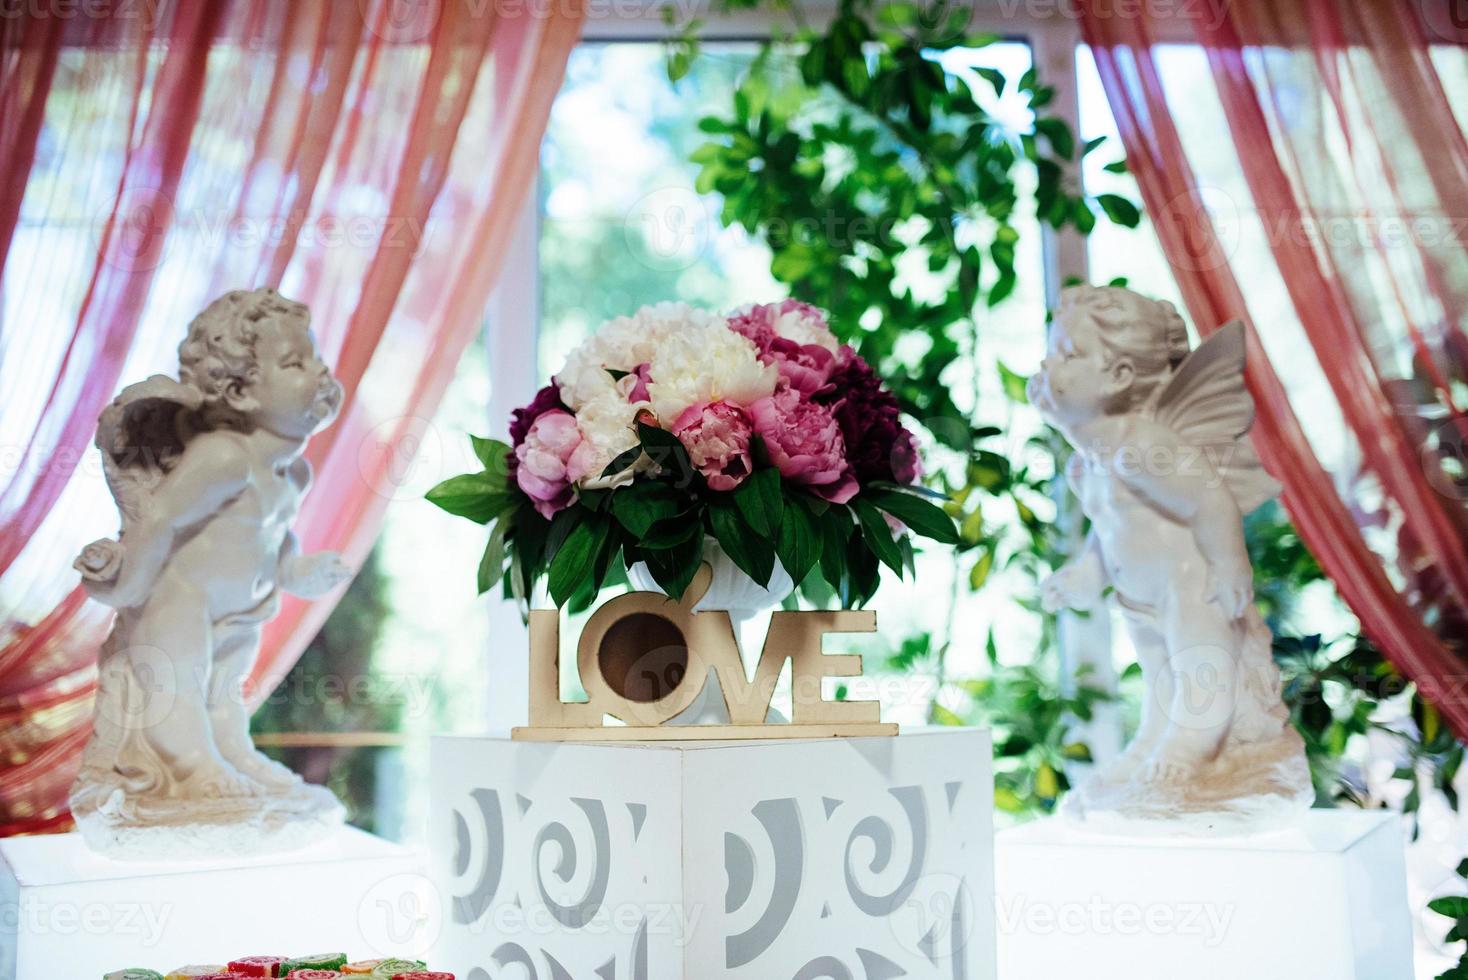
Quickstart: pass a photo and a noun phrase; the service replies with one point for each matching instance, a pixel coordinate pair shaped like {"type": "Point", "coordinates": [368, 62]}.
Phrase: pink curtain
{"type": "Point", "coordinates": [1352, 180]}
{"type": "Point", "coordinates": [365, 158]}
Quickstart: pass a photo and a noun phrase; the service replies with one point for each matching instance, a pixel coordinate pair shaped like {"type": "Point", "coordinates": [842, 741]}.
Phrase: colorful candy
{"type": "Point", "coordinates": [318, 961]}
{"type": "Point", "coordinates": [322, 966]}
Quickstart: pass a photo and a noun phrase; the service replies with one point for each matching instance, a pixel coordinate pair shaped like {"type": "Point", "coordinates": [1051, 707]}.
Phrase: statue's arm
{"type": "Point", "coordinates": [211, 472]}
{"type": "Point", "coordinates": [1185, 483]}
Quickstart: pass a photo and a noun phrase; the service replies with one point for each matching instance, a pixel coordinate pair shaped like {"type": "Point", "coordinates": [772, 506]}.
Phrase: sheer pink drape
{"type": "Point", "coordinates": [1355, 165]}
{"type": "Point", "coordinates": [365, 158]}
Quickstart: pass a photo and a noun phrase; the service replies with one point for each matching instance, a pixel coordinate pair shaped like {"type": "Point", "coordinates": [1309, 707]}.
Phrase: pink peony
{"type": "Point", "coordinates": [542, 473]}
{"type": "Point", "coordinates": [805, 444]}
{"type": "Point", "coordinates": [716, 435]}
{"type": "Point", "coordinates": [755, 323]}
{"type": "Point", "coordinates": [794, 337]}
{"type": "Point", "coordinates": [804, 367]}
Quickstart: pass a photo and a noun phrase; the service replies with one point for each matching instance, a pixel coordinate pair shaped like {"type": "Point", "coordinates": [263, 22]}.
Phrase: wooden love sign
{"type": "Point", "coordinates": [644, 658]}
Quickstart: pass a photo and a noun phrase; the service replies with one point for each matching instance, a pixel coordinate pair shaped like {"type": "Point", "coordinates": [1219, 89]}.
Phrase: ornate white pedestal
{"type": "Point", "coordinates": [1324, 901]}
{"type": "Point", "coordinates": [841, 859]}
{"type": "Point", "coordinates": [67, 912]}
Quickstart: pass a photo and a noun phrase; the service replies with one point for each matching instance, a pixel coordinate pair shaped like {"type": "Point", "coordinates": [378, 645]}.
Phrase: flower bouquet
{"type": "Point", "coordinates": [674, 425]}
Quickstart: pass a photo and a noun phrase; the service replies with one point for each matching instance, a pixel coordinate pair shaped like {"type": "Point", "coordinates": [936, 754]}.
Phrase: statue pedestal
{"type": "Point", "coordinates": [747, 860]}
{"type": "Point", "coordinates": [1326, 900]}
{"type": "Point", "coordinates": [67, 911]}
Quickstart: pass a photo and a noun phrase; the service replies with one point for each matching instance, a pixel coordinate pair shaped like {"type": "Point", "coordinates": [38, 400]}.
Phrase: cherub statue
{"type": "Point", "coordinates": [1164, 472]}
{"type": "Point", "coordinates": [208, 474]}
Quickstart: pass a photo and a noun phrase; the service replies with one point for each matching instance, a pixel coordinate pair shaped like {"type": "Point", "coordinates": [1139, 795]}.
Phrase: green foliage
{"type": "Point", "coordinates": [1032, 721]}
{"type": "Point", "coordinates": [857, 152]}
{"type": "Point", "coordinates": [662, 517]}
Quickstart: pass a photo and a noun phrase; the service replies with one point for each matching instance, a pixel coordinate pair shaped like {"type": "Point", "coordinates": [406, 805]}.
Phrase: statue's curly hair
{"type": "Point", "coordinates": [1149, 332]}
{"type": "Point", "coordinates": [219, 350]}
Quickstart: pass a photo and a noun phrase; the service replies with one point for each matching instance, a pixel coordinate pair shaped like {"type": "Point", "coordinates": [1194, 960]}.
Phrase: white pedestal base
{"type": "Point", "coordinates": [68, 912]}
{"type": "Point", "coordinates": [838, 859]}
{"type": "Point", "coordinates": [1324, 901]}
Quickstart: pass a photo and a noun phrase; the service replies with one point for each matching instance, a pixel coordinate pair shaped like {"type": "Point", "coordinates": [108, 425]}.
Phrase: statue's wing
{"type": "Point", "coordinates": [1207, 405]}
{"type": "Point", "coordinates": [141, 435]}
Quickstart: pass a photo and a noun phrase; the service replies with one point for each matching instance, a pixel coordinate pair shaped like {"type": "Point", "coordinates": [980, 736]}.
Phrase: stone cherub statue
{"type": "Point", "coordinates": [1164, 472]}
{"type": "Point", "coordinates": [208, 474]}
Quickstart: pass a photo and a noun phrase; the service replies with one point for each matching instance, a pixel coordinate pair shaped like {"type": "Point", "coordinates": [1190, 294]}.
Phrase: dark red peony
{"type": "Point", "coordinates": [877, 445]}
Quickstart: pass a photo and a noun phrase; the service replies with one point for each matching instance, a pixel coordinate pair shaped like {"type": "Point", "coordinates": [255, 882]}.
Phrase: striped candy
{"type": "Point", "coordinates": [257, 966]}
{"type": "Point", "coordinates": [318, 961]}
{"type": "Point", "coordinates": [135, 973]}
{"type": "Point", "coordinates": [192, 972]}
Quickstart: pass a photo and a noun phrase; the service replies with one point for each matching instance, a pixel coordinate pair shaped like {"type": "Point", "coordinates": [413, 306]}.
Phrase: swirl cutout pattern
{"type": "Point", "coordinates": [468, 908]}
{"type": "Point", "coordinates": [883, 838]}
{"type": "Point", "coordinates": [580, 912]}
{"type": "Point", "coordinates": [780, 820]}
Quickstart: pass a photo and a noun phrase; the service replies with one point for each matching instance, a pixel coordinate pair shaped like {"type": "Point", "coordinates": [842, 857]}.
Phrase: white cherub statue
{"type": "Point", "coordinates": [1164, 472]}
{"type": "Point", "coordinates": [208, 473]}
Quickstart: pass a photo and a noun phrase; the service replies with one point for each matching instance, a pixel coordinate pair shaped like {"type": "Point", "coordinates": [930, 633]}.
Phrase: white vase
{"type": "Point", "coordinates": [730, 590]}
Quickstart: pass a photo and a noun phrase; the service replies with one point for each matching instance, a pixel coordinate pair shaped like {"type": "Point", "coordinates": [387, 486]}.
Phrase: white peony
{"type": "Point", "coordinates": [692, 357]}
{"type": "Point", "coordinates": [704, 364]}
{"type": "Point", "coordinates": [622, 344]}
{"type": "Point", "coordinates": [608, 429]}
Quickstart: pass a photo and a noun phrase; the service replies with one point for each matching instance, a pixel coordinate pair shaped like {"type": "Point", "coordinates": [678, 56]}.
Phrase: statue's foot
{"type": "Point", "coordinates": [1171, 767]}
{"type": "Point", "coordinates": [1127, 766]}
{"type": "Point", "coordinates": [216, 779]}
{"type": "Point", "coordinates": [273, 776]}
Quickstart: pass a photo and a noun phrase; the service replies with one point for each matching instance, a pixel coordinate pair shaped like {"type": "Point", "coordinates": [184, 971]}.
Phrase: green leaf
{"type": "Point", "coordinates": [1452, 906]}
{"type": "Point", "coordinates": [922, 516]}
{"type": "Point", "coordinates": [994, 77]}
{"type": "Point", "coordinates": [1115, 167]}
{"type": "Point", "coordinates": [979, 574]}
{"type": "Point", "coordinates": [836, 528]}
{"type": "Point", "coordinates": [760, 500]}
{"type": "Point", "coordinates": [1059, 135]}
{"type": "Point", "coordinates": [877, 534]}
{"type": "Point", "coordinates": [478, 496]}
{"type": "Point", "coordinates": [944, 716]}
{"type": "Point", "coordinates": [492, 453]}
{"type": "Point", "coordinates": [863, 573]}
{"type": "Point", "coordinates": [623, 460]}
{"type": "Point", "coordinates": [492, 564]}
{"type": "Point", "coordinates": [670, 534]}
{"type": "Point", "coordinates": [639, 506]}
{"type": "Point", "coordinates": [527, 541]}
{"type": "Point", "coordinates": [1013, 383]}
{"type": "Point", "coordinates": [673, 568]}
{"type": "Point", "coordinates": [799, 543]}
{"type": "Point", "coordinates": [1119, 209]}
{"type": "Point", "coordinates": [664, 449]}
{"type": "Point", "coordinates": [571, 567]}
{"type": "Point", "coordinates": [754, 554]}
